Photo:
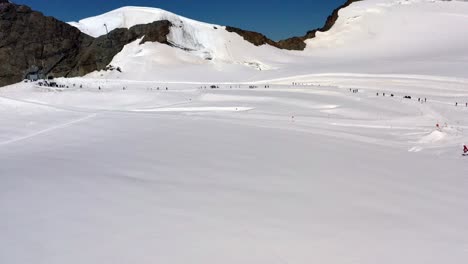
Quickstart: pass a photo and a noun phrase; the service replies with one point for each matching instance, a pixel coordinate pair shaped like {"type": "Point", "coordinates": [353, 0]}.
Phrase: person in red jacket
{"type": "Point", "coordinates": [465, 149]}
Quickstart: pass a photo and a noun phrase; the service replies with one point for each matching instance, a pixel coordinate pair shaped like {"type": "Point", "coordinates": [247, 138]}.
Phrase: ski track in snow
{"type": "Point", "coordinates": [47, 130]}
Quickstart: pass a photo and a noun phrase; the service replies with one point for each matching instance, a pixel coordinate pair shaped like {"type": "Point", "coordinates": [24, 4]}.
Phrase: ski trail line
{"type": "Point", "coordinates": [70, 109]}
{"type": "Point", "coordinates": [44, 131]}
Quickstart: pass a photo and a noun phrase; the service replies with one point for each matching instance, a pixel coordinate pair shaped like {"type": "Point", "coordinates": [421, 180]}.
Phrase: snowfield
{"type": "Point", "coordinates": [316, 158]}
{"type": "Point", "coordinates": [286, 174]}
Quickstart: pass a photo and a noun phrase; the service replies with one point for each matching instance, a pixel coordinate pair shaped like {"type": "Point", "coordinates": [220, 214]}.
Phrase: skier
{"type": "Point", "coordinates": [465, 150]}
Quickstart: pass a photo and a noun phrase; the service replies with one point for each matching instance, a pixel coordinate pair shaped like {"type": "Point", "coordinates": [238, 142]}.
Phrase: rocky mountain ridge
{"type": "Point", "coordinates": [32, 42]}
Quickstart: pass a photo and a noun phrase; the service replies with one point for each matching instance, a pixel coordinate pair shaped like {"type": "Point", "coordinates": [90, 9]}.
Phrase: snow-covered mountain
{"type": "Point", "coordinates": [193, 45]}
{"type": "Point", "coordinates": [407, 34]}
{"type": "Point", "coordinates": [185, 33]}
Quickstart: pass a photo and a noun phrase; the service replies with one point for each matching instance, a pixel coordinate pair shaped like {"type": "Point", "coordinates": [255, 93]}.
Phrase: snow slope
{"type": "Point", "coordinates": [390, 28]}
{"type": "Point", "coordinates": [287, 174]}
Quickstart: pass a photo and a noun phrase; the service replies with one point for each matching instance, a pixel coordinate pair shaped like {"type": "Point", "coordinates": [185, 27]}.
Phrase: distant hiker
{"type": "Point", "coordinates": [456, 103]}
{"type": "Point", "coordinates": [384, 94]}
{"type": "Point", "coordinates": [419, 99]}
{"type": "Point", "coordinates": [465, 149]}
{"type": "Point", "coordinates": [425, 99]}
{"type": "Point", "coordinates": [377, 94]}
{"type": "Point", "coordinates": [99, 88]}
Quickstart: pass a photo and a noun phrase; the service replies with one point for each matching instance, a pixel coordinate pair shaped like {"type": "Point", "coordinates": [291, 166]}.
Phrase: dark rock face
{"type": "Point", "coordinates": [294, 43]}
{"type": "Point", "coordinates": [28, 39]}
{"type": "Point", "coordinates": [259, 39]}
{"type": "Point", "coordinates": [253, 37]}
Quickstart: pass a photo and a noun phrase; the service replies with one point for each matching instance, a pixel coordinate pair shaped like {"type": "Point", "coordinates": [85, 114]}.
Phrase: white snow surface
{"type": "Point", "coordinates": [152, 165]}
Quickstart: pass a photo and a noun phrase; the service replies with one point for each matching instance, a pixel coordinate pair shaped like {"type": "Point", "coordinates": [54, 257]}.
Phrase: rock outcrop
{"type": "Point", "coordinates": [255, 38]}
{"type": "Point", "coordinates": [30, 40]}
{"type": "Point", "coordinates": [259, 39]}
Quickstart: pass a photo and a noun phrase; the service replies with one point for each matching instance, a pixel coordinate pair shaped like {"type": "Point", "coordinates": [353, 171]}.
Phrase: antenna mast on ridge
{"type": "Point", "coordinates": [107, 31]}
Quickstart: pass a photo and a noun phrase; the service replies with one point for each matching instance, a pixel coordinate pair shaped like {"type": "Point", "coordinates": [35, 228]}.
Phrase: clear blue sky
{"type": "Point", "coordinates": [278, 19]}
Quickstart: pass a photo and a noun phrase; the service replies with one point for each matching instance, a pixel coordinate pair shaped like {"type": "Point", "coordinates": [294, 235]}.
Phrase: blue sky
{"type": "Point", "coordinates": [278, 19]}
